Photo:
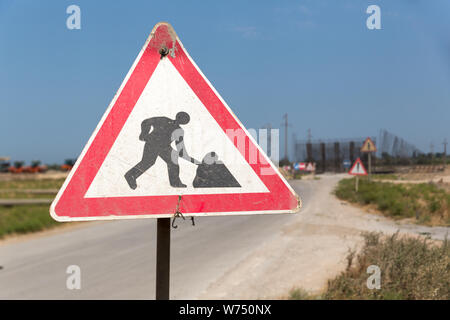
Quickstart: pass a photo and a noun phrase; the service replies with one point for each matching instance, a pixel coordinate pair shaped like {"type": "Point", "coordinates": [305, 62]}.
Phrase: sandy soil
{"type": "Point", "coordinates": [310, 251]}
{"type": "Point", "coordinates": [441, 178]}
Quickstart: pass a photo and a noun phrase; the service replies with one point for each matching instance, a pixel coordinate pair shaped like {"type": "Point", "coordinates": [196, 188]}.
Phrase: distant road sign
{"type": "Point", "coordinates": [358, 169]}
{"type": "Point", "coordinates": [130, 169]}
{"type": "Point", "coordinates": [346, 164]}
{"type": "Point", "coordinates": [368, 146]}
{"type": "Point", "coordinates": [311, 167]}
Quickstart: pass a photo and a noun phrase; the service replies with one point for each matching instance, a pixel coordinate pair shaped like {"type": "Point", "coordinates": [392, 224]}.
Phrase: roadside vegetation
{"type": "Point", "coordinates": [31, 184]}
{"type": "Point", "coordinates": [302, 294]}
{"type": "Point", "coordinates": [386, 176]}
{"type": "Point", "coordinates": [425, 203]}
{"type": "Point", "coordinates": [26, 218]}
{"type": "Point", "coordinates": [411, 269]}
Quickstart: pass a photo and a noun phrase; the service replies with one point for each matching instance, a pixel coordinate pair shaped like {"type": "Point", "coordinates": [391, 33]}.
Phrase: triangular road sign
{"type": "Point", "coordinates": [358, 169]}
{"type": "Point", "coordinates": [169, 143]}
{"type": "Point", "coordinates": [368, 146]}
{"type": "Point", "coordinates": [310, 167]}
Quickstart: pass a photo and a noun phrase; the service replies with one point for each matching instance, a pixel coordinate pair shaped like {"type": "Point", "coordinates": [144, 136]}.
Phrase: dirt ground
{"type": "Point", "coordinates": [423, 175]}
{"type": "Point", "coordinates": [310, 251]}
{"type": "Point", "coordinates": [439, 178]}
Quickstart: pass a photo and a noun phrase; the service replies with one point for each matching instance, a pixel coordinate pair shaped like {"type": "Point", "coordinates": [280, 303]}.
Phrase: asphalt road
{"type": "Point", "coordinates": [117, 259]}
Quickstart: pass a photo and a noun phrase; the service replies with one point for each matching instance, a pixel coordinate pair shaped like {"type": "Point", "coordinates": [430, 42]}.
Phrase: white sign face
{"type": "Point", "coordinates": [166, 94]}
{"type": "Point", "coordinates": [358, 169]}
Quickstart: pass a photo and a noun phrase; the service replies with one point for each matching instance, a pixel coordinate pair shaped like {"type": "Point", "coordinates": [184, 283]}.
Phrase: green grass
{"type": "Point", "coordinates": [411, 269]}
{"type": "Point", "coordinates": [15, 189]}
{"type": "Point", "coordinates": [424, 202]}
{"type": "Point", "coordinates": [301, 294]}
{"type": "Point", "coordinates": [25, 219]}
{"type": "Point", "coordinates": [32, 184]}
{"type": "Point", "coordinates": [385, 176]}
{"type": "Point", "coordinates": [24, 195]}
{"type": "Point", "coordinates": [298, 175]}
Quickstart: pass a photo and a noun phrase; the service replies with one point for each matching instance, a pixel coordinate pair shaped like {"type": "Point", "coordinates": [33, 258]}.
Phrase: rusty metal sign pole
{"type": "Point", "coordinates": [356, 183]}
{"type": "Point", "coordinates": [370, 164]}
{"type": "Point", "coordinates": [163, 259]}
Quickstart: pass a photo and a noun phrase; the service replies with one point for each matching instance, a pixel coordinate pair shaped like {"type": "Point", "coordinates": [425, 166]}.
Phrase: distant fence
{"type": "Point", "coordinates": [395, 146]}
{"type": "Point", "coordinates": [329, 155]}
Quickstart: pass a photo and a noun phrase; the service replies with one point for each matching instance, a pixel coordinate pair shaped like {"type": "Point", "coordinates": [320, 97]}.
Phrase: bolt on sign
{"type": "Point", "coordinates": [168, 143]}
{"type": "Point", "coordinates": [368, 146]}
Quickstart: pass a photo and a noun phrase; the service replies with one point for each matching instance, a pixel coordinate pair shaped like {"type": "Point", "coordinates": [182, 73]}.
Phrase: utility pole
{"type": "Point", "coordinates": [286, 124]}
{"type": "Point", "coordinates": [309, 156]}
{"type": "Point", "coordinates": [294, 138]}
{"type": "Point", "coordinates": [445, 152]}
{"type": "Point", "coordinates": [268, 127]}
{"type": "Point", "coordinates": [432, 152]}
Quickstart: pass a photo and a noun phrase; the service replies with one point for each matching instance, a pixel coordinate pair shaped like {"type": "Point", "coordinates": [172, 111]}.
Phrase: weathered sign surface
{"type": "Point", "coordinates": [368, 146]}
{"type": "Point", "coordinates": [169, 143]}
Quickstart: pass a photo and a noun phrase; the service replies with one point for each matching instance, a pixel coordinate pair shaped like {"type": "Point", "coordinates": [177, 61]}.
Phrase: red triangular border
{"type": "Point", "coordinates": [362, 166]}
{"type": "Point", "coordinates": [365, 142]}
{"type": "Point", "coordinates": [70, 203]}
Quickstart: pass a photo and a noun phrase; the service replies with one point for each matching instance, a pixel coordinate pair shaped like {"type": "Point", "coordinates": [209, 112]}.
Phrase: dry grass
{"type": "Point", "coordinates": [411, 268]}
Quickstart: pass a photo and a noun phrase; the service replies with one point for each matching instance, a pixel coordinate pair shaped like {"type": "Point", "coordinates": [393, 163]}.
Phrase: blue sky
{"type": "Point", "coordinates": [315, 60]}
